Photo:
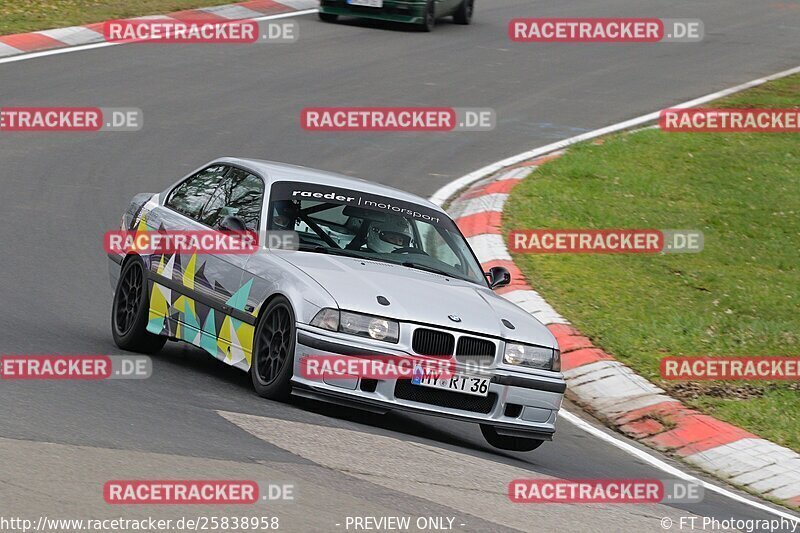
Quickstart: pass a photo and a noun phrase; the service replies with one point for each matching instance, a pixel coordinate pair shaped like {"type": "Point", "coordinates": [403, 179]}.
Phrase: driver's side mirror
{"type": "Point", "coordinates": [232, 223]}
{"type": "Point", "coordinates": [498, 277]}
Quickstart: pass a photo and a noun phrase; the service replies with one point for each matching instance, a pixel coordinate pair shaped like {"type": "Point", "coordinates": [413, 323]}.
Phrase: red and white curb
{"type": "Point", "coordinates": [22, 43]}
{"type": "Point", "coordinates": [609, 389]}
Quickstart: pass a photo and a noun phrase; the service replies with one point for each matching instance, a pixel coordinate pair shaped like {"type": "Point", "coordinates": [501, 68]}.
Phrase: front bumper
{"type": "Point", "coordinates": [519, 403]}
{"type": "Point", "coordinates": [407, 11]}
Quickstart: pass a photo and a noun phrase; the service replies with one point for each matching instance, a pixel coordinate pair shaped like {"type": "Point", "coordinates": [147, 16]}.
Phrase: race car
{"type": "Point", "coordinates": [375, 270]}
{"type": "Point", "coordinates": [422, 13]}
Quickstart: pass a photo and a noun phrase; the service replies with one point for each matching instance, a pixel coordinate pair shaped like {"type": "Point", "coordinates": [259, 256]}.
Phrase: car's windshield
{"type": "Point", "coordinates": [346, 222]}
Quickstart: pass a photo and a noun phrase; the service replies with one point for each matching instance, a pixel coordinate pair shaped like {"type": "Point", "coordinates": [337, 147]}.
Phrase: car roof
{"type": "Point", "coordinates": [273, 171]}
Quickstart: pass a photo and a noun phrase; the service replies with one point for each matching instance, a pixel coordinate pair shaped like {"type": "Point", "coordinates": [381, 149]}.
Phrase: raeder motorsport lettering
{"type": "Point", "coordinates": [305, 191]}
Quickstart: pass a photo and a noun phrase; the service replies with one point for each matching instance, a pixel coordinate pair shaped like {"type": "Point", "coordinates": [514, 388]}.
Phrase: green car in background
{"type": "Point", "coordinates": [423, 13]}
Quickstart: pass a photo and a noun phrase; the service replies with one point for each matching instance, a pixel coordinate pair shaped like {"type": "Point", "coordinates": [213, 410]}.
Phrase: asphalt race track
{"type": "Point", "coordinates": [196, 417]}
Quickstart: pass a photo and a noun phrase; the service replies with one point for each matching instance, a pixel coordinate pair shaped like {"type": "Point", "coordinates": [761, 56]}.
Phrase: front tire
{"type": "Point", "coordinates": [506, 442]}
{"type": "Point", "coordinates": [130, 310]}
{"type": "Point", "coordinates": [328, 17]}
{"type": "Point", "coordinates": [464, 13]}
{"type": "Point", "coordinates": [272, 364]}
{"type": "Point", "coordinates": [430, 18]}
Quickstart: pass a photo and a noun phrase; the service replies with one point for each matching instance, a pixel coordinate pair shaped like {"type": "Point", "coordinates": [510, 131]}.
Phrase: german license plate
{"type": "Point", "coordinates": [366, 3]}
{"type": "Point", "coordinates": [474, 385]}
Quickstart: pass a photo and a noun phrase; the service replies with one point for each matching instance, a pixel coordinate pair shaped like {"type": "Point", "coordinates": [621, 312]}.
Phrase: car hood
{"type": "Point", "coordinates": [419, 296]}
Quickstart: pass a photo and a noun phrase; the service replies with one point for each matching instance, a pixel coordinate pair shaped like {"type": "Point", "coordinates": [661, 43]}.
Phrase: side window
{"type": "Point", "coordinates": [240, 194]}
{"type": "Point", "coordinates": [189, 197]}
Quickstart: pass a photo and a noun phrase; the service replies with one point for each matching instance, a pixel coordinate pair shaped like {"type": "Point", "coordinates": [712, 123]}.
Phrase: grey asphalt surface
{"type": "Point", "coordinates": [60, 191]}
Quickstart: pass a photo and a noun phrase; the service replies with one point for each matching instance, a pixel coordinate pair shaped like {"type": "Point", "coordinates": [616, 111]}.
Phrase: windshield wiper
{"type": "Point", "coordinates": [349, 253]}
{"type": "Point", "coordinates": [330, 251]}
{"type": "Point", "coordinates": [426, 268]}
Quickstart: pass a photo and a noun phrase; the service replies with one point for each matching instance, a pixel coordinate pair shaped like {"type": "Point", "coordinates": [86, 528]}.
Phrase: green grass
{"type": "Point", "coordinates": [740, 296]}
{"type": "Point", "coordinates": [18, 16]}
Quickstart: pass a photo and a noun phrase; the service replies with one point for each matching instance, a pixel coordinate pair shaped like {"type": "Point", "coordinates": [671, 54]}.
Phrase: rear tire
{"type": "Point", "coordinates": [464, 13]}
{"type": "Point", "coordinates": [505, 442]}
{"type": "Point", "coordinates": [328, 17]}
{"type": "Point", "coordinates": [429, 22]}
{"type": "Point", "coordinates": [272, 363]}
{"type": "Point", "coordinates": [130, 310]}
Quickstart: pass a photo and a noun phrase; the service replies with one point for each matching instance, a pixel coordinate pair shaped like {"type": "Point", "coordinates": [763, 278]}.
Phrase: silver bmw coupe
{"type": "Point", "coordinates": [375, 271]}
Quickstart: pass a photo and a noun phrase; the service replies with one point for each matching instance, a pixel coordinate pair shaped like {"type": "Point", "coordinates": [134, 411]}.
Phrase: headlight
{"type": "Point", "coordinates": [532, 356]}
{"type": "Point", "coordinates": [373, 327]}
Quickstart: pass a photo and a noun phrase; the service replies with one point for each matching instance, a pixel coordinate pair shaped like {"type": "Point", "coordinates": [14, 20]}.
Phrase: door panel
{"type": "Point", "coordinates": [201, 298]}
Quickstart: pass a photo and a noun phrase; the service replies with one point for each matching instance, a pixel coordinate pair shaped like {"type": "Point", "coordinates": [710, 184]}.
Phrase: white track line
{"type": "Point", "coordinates": [93, 46]}
{"type": "Point", "coordinates": [666, 467]}
{"type": "Point", "coordinates": [443, 194]}
{"type": "Point", "coordinates": [449, 190]}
